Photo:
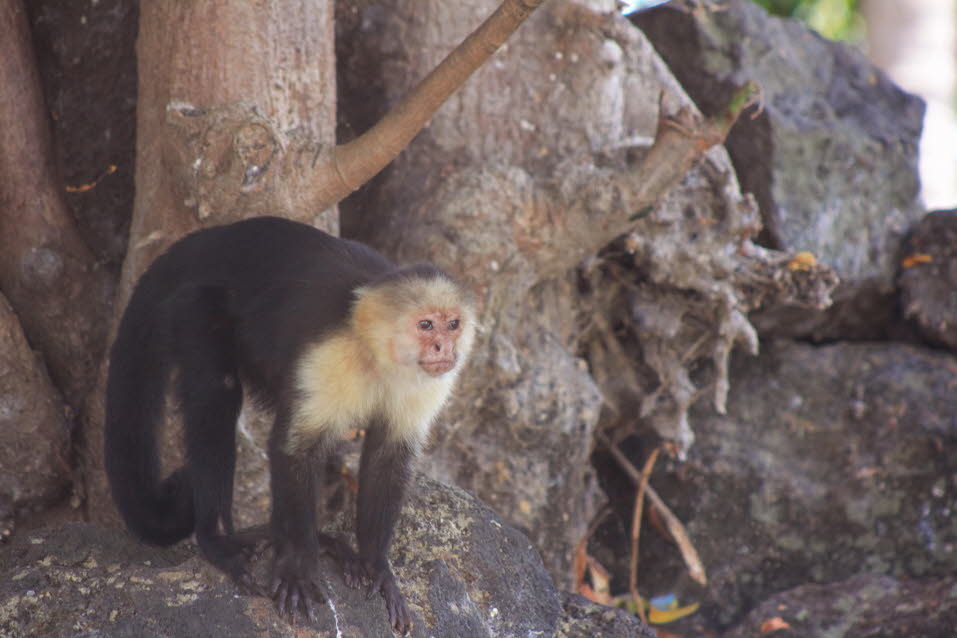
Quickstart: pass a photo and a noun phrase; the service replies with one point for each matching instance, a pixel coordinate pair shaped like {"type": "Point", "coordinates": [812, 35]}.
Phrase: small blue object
{"type": "Point", "coordinates": [664, 603]}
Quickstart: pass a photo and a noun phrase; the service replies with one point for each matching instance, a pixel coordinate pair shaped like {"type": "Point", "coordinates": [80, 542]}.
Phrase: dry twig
{"type": "Point", "coordinates": [675, 527]}
{"type": "Point", "coordinates": [636, 533]}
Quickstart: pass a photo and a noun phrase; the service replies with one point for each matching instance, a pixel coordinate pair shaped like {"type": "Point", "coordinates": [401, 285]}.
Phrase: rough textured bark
{"type": "Point", "coordinates": [361, 159]}
{"type": "Point", "coordinates": [86, 58]}
{"type": "Point", "coordinates": [46, 271]}
{"type": "Point", "coordinates": [34, 430]}
{"type": "Point", "coordinates": [240, 65]}
{"type": "Point", "coordinates": [831, 127]}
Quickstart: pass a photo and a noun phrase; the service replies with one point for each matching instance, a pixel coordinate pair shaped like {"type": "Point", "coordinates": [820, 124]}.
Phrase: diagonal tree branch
{"type": "Point", "coordinates": [359, 160]}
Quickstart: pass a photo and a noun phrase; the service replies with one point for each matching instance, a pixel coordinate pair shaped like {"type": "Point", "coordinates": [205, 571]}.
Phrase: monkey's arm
{"type": "Point", "coordinates": [294, 585]}
{"type": "Point", "coordinates": [384, 472]}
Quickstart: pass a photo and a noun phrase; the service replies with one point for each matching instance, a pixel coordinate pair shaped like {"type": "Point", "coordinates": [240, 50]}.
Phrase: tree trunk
{"type": "Point", "coordinates": [222, 86]}
{"type": "Point", "coordinates": [46, 271]}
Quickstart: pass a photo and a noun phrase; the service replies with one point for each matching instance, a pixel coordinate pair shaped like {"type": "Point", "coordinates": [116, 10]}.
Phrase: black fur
{"type": "Point", "coordinates": [225, 305]}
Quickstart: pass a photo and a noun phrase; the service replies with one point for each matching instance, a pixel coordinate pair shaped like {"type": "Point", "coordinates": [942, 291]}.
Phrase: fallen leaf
{"type": "Point", "coordinates": [660, 616]}
{"type": "Point", "coordinates": [917, 258]}
{"type": "Point", "coordinates": [773, 624]}
{"type": "Point", "coordinates": [802, 261]}
{"type": "Point", "coordinates": [87, 187]}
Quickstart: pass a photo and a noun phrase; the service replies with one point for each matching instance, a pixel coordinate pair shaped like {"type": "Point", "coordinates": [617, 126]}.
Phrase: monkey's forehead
{"type": "Point", "coordinates": [414, 294]}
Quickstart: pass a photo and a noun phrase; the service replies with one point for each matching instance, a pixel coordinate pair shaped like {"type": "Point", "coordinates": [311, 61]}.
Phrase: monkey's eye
{"type": "Point", "coordinates": [454, 324]}
{"type": "Point", "coordinates": [425, 324]}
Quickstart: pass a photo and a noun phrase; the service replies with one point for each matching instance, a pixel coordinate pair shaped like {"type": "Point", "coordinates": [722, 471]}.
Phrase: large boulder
{"type": "Point", "coordinates": [830, 151]}
{"type": "Point", "coordinates": [464, 572]}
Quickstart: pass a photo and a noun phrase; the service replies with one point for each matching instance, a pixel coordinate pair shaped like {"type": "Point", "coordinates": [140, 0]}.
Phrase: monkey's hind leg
{"type": "Point", "coordinates": [210, 397]}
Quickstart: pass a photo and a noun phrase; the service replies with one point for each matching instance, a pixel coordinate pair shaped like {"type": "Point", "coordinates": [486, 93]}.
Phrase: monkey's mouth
{"type": "Point", "coordinates": [437, 368]}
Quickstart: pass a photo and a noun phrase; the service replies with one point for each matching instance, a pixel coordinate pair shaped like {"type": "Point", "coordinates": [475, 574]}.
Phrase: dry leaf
{"type": "Point", "coordinates": [773, 624]}
{"type": "Point", "coordinates": [917, 258]}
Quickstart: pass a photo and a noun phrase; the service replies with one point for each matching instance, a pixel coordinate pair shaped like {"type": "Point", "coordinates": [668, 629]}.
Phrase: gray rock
{"type": "Point", "coordinates": [868, 606]}
{"type": "Point", "coordinates": [928, 278]}
{"type": "Point", "coordinates": [831, 462]}
{"type": "Point", "coordinates": [464, 572]}
{"type": "Point", "coordinates": [830, 154]}
{"type": "Point", "coordinates": [584, 619]}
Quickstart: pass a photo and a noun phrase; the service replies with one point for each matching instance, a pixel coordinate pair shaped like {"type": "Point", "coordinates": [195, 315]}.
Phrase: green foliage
{"type": "Point", "coordinates": [834, 19]}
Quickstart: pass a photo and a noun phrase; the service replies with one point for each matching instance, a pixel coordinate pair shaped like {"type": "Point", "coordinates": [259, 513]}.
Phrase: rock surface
{"type": "Point", "coordinates": [832, 462]}
{"type": "Point", "coordinates": [582, 618]}
{"type": "Point", "coordinates": [869, 606]}
{"type": "Point", "coordinates": [830, 152]}
{"type": "Point", "coordinates": [928, 278]}
{"type": "Point", "coordinates": [463, 571]}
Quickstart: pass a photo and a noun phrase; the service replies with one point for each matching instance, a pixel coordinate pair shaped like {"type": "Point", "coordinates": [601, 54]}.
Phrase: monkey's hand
{"type": "Point", "coordinates": [294, 585]}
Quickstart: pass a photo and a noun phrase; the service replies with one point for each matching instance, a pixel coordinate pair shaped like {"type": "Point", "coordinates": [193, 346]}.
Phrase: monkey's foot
{"type": "Point", "coordinates": [378, 578]}
{"type": "Point", "coordinates": [399, 616]}
{"type": "Point", "coordinates": [339, 549]}
{"type": "Point", "coordinates": [354, 572]}
{"type": "Point", "coordinates": [231, 554]}
{"type": "Point", "coordinates": [294, 587]}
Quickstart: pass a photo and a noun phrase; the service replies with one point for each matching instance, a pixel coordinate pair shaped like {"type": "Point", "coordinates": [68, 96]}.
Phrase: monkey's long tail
{"type": "Point", "coordinates": [159, 512]}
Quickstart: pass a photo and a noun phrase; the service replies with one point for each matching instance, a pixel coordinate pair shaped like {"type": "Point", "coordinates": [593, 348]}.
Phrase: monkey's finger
{"type": "Point", "coordinates": [274, 584]}
{"type": "Point", "coordinates": [375, 587]}
{"type": "Point", "coordinates": [280, 597]}
{"type": "Point", "coordinates": [309, 605]}
{"type": "Point", "coordinates": [312, 594]}
{"type": "Point", "coordinates": [354, 574]}
{"type": "Point", "coordinates": [382, 584]}
{"type": "Point", "coordinates": [399, 616]}
{"type": "Point", "coordinates": [293, 599]}
{"type": "Point", "coordinates": [249, 586]}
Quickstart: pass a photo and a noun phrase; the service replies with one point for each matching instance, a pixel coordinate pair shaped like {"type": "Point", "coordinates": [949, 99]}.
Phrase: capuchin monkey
{"type": "Point", "coordinates": [331, 336]}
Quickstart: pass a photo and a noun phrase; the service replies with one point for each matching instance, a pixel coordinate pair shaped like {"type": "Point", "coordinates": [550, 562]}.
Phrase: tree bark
{"type": "Point", "coordinates": [359, 160]}
{"type": "Point", "coordinates": [271, 61]}
{"type": "Point", "coordinates": [34, 431]}
{"type": "Point", "coordinates": [49, 275]}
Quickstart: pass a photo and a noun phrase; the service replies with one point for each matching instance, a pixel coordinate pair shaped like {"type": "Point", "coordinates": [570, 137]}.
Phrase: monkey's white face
{"type": "Point", "coordinates": [420, 329]}
{"type": "Point", "coordinates": [436, 333]}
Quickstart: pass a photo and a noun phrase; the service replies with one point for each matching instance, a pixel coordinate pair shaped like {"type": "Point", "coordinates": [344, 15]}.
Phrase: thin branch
{"type": "Point", "coordinates": [681, 140]}
{"type": "Point", "coordinates": [636, 533]}
{"type": "Point", "coordinates": [675, 527]}
{"type": "Point", "coordinates": [596, 206]}
{"type": "Point", "coordinates": [581, 548]}
{"type": "Point", "coordinates": [359, 160]}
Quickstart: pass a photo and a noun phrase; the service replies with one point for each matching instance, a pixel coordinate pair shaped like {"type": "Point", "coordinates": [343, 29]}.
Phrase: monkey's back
{"type": "Point", "coordinates": [280, 284]}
